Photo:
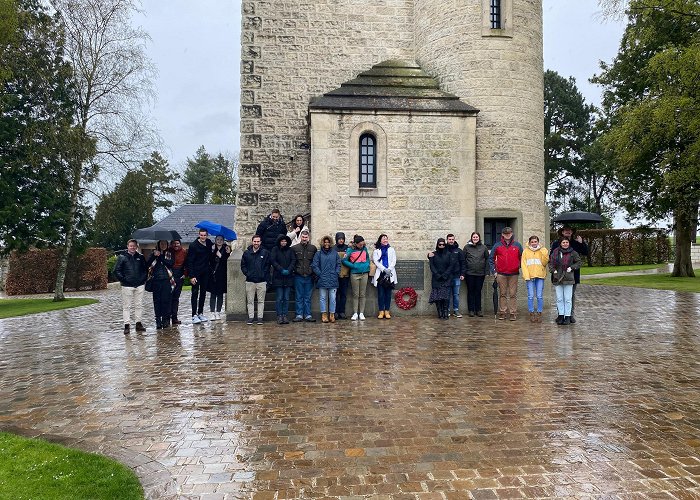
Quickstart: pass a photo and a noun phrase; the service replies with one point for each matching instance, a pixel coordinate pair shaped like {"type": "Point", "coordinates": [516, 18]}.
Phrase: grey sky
{"type": "Point", "coordinates": [196, 47]}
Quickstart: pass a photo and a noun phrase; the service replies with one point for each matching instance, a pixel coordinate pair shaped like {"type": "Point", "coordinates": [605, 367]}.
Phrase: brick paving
{"type": "Point", "coordinates": [406, 408]}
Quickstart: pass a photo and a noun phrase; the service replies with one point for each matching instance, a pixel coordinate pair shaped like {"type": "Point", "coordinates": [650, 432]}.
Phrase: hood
{"type": "Point", "coordinates": [565, 250]}
{"type": "Point", "coordinates": [339, 235]}
{"type": "Point", "coordinates": [534, 249]}
{"type": "Point", "coordinates": [453, 247]}
{"type": "Point", "coordinates": [283, 237]}
{"type": "Point", "coordinates": [471, 243]}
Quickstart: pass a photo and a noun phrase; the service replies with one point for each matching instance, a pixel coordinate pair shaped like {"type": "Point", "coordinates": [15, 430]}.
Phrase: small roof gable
{"type": "Point", "coordinates": [393, 85]}
{"type": "Point", "coordinates": [185, 217]}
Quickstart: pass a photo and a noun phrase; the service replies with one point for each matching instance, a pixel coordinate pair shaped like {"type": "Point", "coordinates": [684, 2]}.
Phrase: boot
{"type": "Point", "coordinates": [280, 319]}
{"type": "Point", "coordinates": [572, 320]}
{"type": "Point", "coordinates": [560, 319]}
{"type": "Point", "coordinates": [140, 327]}
{"type": "Point", "coordinates": [159, 323]}
{"type": "Point", "coordinates": [380, 315]}
{"type": "Point", "coordinates": [532, 317]}
{"type": "Point", "coordinates": [166, 322]}
{"type": "Point", "coordinates": [387, 315]}
{"type": "Point", "coordinates": [538, 317]}
{"type": "Point", "coordinates": [175, 320]}
{"type": "Point", "coordinates": [285, 319]}
{"type": "Point", "coordinates": [127, 329]}
{"type": "Point", "coordinates": [567, 320]}
{"type": "Point", "coordinates": [331, 317]}
{"type": "Point", "coordinates": [324, 317]}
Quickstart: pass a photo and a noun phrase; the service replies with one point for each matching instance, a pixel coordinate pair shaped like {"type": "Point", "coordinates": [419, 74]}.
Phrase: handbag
{"type": "Point", "coordinates": [384, 280]}
{"type": "Point", "coordinates": [149, 281]}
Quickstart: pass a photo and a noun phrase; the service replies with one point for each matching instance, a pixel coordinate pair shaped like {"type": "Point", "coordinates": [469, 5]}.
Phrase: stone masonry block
{"type": "Point", "coordinates": [249, 170]}
{"type": "Point", "coordinates": [248, 199]}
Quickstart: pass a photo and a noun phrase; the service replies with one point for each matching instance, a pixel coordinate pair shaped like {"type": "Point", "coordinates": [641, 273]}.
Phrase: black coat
{"type": "Point", "coordinates": [130, 270]}
{"type": "Point", "coordinates": [443, 266]}
{"type": "Point", "coordinates": [163, 261]}
{"type": "Point", "coordinates": [461, 262]}
{"type": "Point", "coordinates": [580, 248]}
{"type": "Point", "coordinates": [476, 259]}
{"type": "Point", "coordinates": [218, 277]}
{"type": "Point", "coordinates": [283, 258]}
{"type": "Point", "coordinates": [269, 231]}
{"type": "Point", "coordinates": [256, 265]}
{"type": "Point", "coordinates": [198, 257]}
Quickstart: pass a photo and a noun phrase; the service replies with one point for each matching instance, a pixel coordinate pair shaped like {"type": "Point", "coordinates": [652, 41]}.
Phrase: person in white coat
{"type": "Point", "coordinates": [384, 257]}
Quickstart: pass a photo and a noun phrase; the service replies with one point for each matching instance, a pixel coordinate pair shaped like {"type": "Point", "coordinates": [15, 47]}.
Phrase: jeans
{"type": "Point", "coordinates": [326, 298]}
{"type": "Point", "coordinates": [342, 295]}
{"type": "Point", "coordinates": [535, 287]}
{"type": "Point", "coordinates": [303, 288]}
{"type": "Point", "coordinates": [251, 290]}
{"type": "Point", "coordinates": [359, 291]}
{"type": "Point", "coordinates": [507, 293]}
{"type": "Point", "coordinates": [456, 282]}
{"type": "Point", "coordinates": [564, 293]}
{"type": "Point", "coordinates": [474, 286]}
{"type": "Point", "coordinates": [132, 295]}
{"type": "Point", "coordinates": [282, 300]}
{"type": "Point", "coordinates": [384, 298]}
{"type": "Point", "coordinates": [199, 293]}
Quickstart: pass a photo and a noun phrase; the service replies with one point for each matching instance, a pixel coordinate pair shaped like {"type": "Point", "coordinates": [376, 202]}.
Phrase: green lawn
{"type": "Point", "coordinates": [19, 307]}
{"type": "Point", "coordinates": [617, 269]}
{"type": "Point", "coordinates": [657, 281]}
{"type": "Point", "coordinates": [36, 469]}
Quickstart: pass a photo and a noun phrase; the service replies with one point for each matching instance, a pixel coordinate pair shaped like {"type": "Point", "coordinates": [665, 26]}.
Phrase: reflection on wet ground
{"type": "Point", "coordinates": [406, 408]}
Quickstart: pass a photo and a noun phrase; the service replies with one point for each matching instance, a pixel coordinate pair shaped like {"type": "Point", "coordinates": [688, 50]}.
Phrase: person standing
{"type": "Point", "coordinates": [504, 262]}
{"type": "Point", "coordinates": [298, 226]}
{"type": "Point", "coordinates": [581, 248]}
{"type": "Point", "coordinates": [255, 265]}
{"type": "Point", "coordinates": [534, 267]}
{"type": "Point", "coordinates": [476, 257]}
{"type": "Point", "coordinates": [303, 278]}
{"type": "Point", "coordinates": [443, 266]}
{"type": "Point", "coordinates": [343, 277]}
{"type": "Point", "coordinates": [326, 266]}
{"type": "Point", "coordinates": [159, 264]}
{"type": "Point", "coordinates": [179, 257]}
{"type": "Point", "coordinates": [384, 257]}
{"type": "Point", "coordinates": [357, 260]}
{"type": "Point", "coordinates": [283, 261]}
{"type": "Point", "coordinates": [220, 253]}
{"type": "Point", "coordinates": [563, 262]}
{"type": "Point", "coordinates": [130, 270]}
{"type": "Point", "coordinates": [198, 256]}
{"type": "Point", "coordinates": [270, 228]}
{"type": "Point", "coordinates": [453, 248]}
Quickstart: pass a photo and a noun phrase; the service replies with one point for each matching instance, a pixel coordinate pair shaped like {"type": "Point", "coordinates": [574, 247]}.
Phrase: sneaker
{"type": "Point", "coordinates": [362, 317]}
{"type": "Point", "coordinates": [297, 319]}
{"type": "Point", "coordinates": [513, 317]}
{"type": "Point", "coordinates": [250, 321]}
{"type": "Point", "coordinates": [285, 319]}
{"type": "Point", "coordinates": [280, 320]}
{"type": "Point", "coordinates": [480, 314]}
{"type": "Point", "coordinates": [471, 314]}
{"type": "Point", "coordinates": [140, 327]}
{"type": "Point", "coordinates": [310, 319]}
{"type": "Point", "coordinates": [457, 314]}
{"type": "Point", "coordinates": [195, 319]}
{"type": "Point", "coordinates": [260, 321]}
{"type": "Point", "coordinates": [501, 316]}
{"type": "Point", "coordinates": [127, 329]}
{"type": "Point", "coordinates": [354, 317]}
{"type": "Point", "coordinates": [203, 318]}
{"type": "Point", "coordinates": [213, 316]}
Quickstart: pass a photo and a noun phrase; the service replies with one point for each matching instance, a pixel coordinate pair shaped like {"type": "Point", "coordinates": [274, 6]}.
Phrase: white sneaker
{"type": "Point", "coordinates": [354, 317]}
{"type": "Point", "coordinates": [212, 314]}
{"type": "Point", "coordinates": [362, 317]}
{"type": "Point", "coordinates": [203, 318]}
{"type": "Point", "coordinates": [195, 319]}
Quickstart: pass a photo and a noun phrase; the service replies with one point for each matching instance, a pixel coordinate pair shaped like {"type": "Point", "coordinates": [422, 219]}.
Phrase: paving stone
{"type": "Point", "coordinates": [408, 408]}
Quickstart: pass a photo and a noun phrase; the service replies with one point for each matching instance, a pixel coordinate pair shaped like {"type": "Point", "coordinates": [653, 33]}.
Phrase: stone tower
{"type": "Point", "coordinates": [478, 167]}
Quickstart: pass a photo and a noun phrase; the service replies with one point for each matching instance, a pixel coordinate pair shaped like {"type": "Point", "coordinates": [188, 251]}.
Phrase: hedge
{"type": "Point", "coordinates": [622, 247]}
{"type": "Point", "coordinates": [35, 271]}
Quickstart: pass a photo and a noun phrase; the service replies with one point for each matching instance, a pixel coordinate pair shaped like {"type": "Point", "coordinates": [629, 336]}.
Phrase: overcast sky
{"type": "Point", "coordinates": [196, 47]}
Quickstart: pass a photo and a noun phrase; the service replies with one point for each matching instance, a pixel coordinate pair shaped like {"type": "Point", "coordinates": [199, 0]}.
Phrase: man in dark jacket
{"type": "Point", "coordinates": [198, 256]}
{"type": "Point", "coordinates": [460, 272]}
{"type": "Point", "coordinates": [504, 262]}
{"type": "Point", "coordinates": [343, 277]}
{"type": "Point", "coordinates": [255, 265]}
{"type": "Point", "coordinates": [581, 247]}
{"type": "Point", "coordinates": [130, 270]}
{"type": "Point", "coordinates": [303, 278]}
{"type": "Point", "coordinates": [270, 228]}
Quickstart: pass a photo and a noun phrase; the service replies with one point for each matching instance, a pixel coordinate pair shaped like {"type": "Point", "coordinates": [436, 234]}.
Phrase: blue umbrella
{"type": "Point", "coordinates": [217, 229]}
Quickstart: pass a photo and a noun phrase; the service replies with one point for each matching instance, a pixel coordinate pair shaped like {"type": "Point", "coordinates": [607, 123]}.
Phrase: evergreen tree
{"type": "Point", "coordinates": [223, 183]}
{"type": "Point", "coordinates": [199, 175]}
{"type": "Point", "coordinates": [159, 182]}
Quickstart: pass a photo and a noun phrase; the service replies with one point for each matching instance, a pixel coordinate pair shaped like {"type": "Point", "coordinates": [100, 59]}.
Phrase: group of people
{"type": "Point", "coordinates": [450, 265]}
{"type": "Point", "coordinates": [163, 274]}
{"type": "Point", "coordinates": [287, 259]}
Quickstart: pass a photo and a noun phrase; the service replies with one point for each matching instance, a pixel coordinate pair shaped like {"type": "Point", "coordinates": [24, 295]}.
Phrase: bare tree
{"type": "Point", "coordinates": [113, 80]}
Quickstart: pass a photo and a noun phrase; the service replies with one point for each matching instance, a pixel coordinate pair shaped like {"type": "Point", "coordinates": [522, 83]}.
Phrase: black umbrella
{"type": "Point", "coordinates": [495, 297]}
{"type": "Point", "coordinates": [582, 217]}
{"type": "Point", "coordinates": [150, 233]}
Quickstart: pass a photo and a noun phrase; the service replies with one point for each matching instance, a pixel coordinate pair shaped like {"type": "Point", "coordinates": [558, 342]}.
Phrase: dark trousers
{"type": "Point", "coordinates": [216, 301]}
{"type": "Point", "coordinates": [175, 302]}
{"type": "Point", "coordinates": [383, 298]}
{"type": "Point", "coordinates": [282, 300]}
{"type": "Point", "coordinates": [162, 296]}
{"type": "Point", "coordinates": [474, 286]}
{"type": "Point", "coordinates": [342, 294]}
{"type": "Point", "coordinates": [199, 294]}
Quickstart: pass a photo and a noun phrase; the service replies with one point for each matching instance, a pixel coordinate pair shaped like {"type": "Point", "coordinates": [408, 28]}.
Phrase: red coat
{"type": "Point", "coordinates": [505, 257]}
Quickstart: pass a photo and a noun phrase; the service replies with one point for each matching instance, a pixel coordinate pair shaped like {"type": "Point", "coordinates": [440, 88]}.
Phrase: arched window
{"type": "Point", "coordinates": [368, 161]}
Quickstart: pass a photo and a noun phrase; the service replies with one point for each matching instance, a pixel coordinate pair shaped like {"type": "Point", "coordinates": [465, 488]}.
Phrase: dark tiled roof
{"type": "Point", "coordinates": [395, 86]}
{"type": "Point", "coordinates": [185, 217]}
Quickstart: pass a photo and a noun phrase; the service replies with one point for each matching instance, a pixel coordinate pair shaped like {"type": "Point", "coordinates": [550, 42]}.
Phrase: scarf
{"type": "Point", "coordinates": [385, 255]}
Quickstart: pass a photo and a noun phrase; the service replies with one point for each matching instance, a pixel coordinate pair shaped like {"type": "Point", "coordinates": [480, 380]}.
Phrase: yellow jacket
{"type": "Point", "coordinates": [534, 262]}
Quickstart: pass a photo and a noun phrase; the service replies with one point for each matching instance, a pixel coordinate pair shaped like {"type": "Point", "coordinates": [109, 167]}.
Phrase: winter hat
{"type": "Point", "coordinates": [357, 239]}
{"type": "Point", "coordinates": [339, 236]}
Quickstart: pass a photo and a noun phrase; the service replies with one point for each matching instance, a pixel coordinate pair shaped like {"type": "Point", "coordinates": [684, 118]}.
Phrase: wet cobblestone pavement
{"type": "Point", "coordinates": [405, 408]}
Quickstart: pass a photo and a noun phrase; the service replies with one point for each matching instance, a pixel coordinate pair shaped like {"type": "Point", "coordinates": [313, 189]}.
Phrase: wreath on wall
{"type": "Point", "coordinates": [406, 298]}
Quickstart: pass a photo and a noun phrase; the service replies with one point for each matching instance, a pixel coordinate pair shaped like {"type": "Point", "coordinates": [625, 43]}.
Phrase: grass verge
{"type": "Point", "coordinates": [657, 281]}
{"type": "Point", "coordinates": [617, 269]}
{"type": "Point", "coordinates": [20, 307]}
{"type": "Point", "coordinates": [33, 468]}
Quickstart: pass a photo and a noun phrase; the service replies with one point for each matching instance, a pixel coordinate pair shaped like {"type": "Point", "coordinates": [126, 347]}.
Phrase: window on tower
{"type": "Point", "coordinates": [368, 161]}
{"type": "Point", "coordinates": [495, 14]}
{"type": "Point", "coordinates": [497, 18]}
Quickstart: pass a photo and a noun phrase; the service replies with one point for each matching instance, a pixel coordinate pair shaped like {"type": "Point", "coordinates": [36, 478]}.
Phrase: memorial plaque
{"type": "Point", "coordinates": [411, 274]}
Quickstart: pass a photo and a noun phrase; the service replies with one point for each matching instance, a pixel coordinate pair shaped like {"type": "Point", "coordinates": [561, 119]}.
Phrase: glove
{"type": "Point", "coordinates": [285, 272]}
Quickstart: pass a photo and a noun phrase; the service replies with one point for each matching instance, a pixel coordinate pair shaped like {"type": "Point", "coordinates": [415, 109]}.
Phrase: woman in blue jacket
{"type": "Point", "coordinates": [326, 267]}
